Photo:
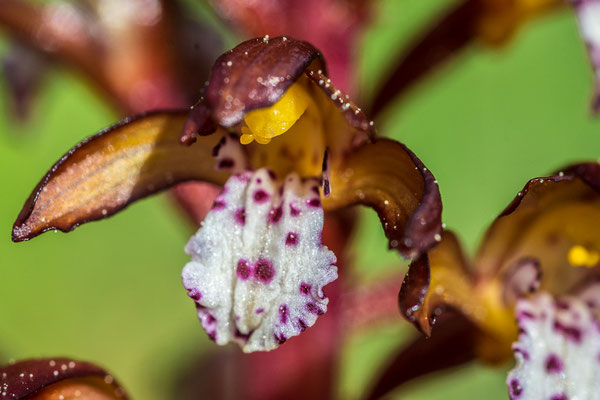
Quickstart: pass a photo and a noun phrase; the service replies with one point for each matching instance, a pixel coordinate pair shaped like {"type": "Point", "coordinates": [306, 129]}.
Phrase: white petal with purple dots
{"type": "Point", "coordinates": [588, 14]}
{"type": "Point", "coordinates": [258, 265]}
{"type": "Point", "coordinates": [557, 352]}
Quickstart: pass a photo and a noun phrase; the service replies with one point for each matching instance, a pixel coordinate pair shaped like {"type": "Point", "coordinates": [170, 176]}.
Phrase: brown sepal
{"type": "Point", "coordinates": [546, 218]}
{"type": "Point", "coordinates": [413, 291]}
{"type": "Point", "coordinates": [45, 378]}
{"type": "Point", "coordinates": [451, 344]}
{"type": "Point", "coordinates": [388, 177]}
{"type": "Point", "coordinates": [255, 74]}
{"type": "Point", "coordinates": [353, 114]}
{"type": "Point", "coordinates": [198, 123]}
{"type": "Point", "coordinates": [106, 172]}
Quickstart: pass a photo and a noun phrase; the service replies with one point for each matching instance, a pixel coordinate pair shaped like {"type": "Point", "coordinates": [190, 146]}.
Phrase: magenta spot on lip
{"type": "Point", "coordinates": [242, 336]}
{"type": "Point", "coordinates": [212, 336]}
{"type": "Point", "coordinates": [305, 288]}
{"type": "Point", "coordinates": [526, 315]}
{"type": "Point", "coordinates": [291, 239]}
{"type": "Point", "coordinates": [570, 332]}
{"type": "Point", "coordinates": [302, 325]}
{"type": "Point", "coordinates": [225, 163]}
{"type": "Point", "coordinates": [562, 305]}
{"type": "Point", "coordinates": [275, 215]}
{"type": "Point", "coordinates": [560, 396]}
{"type": "Point", "coordinates": [260, 196]}
{"type": "Point", "coordinates": [553, 364]}
{"type": "Point", "coordinates": [243, 270]}
{"type": "Point", "coordinates": [260, 310]}
{"type": "Point", "coordinates": [524, 353]}
{"type": "Point", "coordinates": [314, 202]}
{"type": "Point", "coordinates": [195, 294]}
{"type": "Point", "coordinates": [279, 338]}
{"type": "Point", "coordinates": [283, 313]}
{"type": "Point", "coordinates": [515, 389]}
{"type": "Point", "coordinates": [294, 212]}
{"type": "Point", "coordinates": [218, 205]}
{"type": "Point", "coordinates": [240, 216]}
{"type": "Point", "coordinates": [210, 319]}
{"type": "Point", "coordinates": [312, 308]}
{"type": "Point", "coordinates": [263, 271]}
{"type": "Point", "coordinates": [258, 180]}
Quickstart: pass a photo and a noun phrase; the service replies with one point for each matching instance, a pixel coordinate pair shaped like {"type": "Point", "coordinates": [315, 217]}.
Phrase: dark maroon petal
{"type": "Point", "coordinates": [451, 344]}
{"type": "Point", "coordinates": [198, 123]}
{"type": "Point", "coordinates": [444, 39]}
{"type": "Point", "coordinates": [334, 27]}
{"type": "Point", "coordinates": [547, 219]}
{"type": "Point", "coordinates": [437, 281]}
{"type": "Point", "coordinates": [105, 173]}
{"type": "Point", "coordinates": [255, 74]}
{"type": "Point", "coordinates": [388, 177]}
{"type": "Point", "coordinates": [24, 378]}
{"type": "Point", "coordinates": [413, 292]}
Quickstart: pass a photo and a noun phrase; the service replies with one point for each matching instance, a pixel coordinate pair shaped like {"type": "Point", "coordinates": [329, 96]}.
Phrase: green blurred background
{"type": "Point", "coordinates": [110, 292]}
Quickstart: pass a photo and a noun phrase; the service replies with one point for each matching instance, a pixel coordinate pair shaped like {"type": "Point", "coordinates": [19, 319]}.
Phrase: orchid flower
{"type": "Point", "coordinates": [58, 378]}
{"type": "Point", "coordinates": [286, 146]}
{"type": "Point", "coordinates": [538, 265]}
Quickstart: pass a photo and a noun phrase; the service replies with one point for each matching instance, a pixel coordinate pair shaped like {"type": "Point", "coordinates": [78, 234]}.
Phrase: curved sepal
{"type": "Point", "coordinates": [555, 220]}
{"type": "Point", "coordinates": [438, 281]}
{"type": "Point", "coordinates": [388, 177]}
{"type": "Point", "coordinates": [57, 378]}
{"type": "Point", "coordinates": [106, 172]}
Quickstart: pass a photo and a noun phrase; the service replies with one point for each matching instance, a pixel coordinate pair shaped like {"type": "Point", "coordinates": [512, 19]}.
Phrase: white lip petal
{"type": "Point", "coordinates": [588, 14]}
{"type": "Point", "coordinates": [557, 352]}
{"type": "Point", "coordinates": [258, 266]}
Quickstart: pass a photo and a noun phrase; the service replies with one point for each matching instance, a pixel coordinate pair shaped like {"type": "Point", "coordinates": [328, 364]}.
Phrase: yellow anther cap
{"type": "Point", "coordinates": [264, 124]}
{"type": "Point", "coordinates": [579, 256]}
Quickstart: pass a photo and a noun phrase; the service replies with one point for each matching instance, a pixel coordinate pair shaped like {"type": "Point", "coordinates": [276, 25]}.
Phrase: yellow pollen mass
{"type": "Point", "coordinates": [579, 256]}
{"type": "Point", "coordinates": [264, 124]}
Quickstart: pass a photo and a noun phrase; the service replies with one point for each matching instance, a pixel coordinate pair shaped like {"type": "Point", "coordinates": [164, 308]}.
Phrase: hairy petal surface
{"type": "Point", "coordinates": [557, 351]}
{"type": "Point", "coordinates": [588, 14]}
{"type": "Point", "coordinates": [258, 266]}
{"type": "Point", "coordinates": [388, 177]}
{"type": "Point", "coordinates": [57, 378]}
{"type": "Point", "coordinates": [105, 173]}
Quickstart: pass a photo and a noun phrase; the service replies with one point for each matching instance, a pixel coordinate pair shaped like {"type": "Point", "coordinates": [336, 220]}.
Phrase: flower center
{"type": "Point", "coordinates": [258, 266]}
{"type": "Point", "coordinates": [264, 124]}
{"type": "Point", "coordinates": [579, 256]}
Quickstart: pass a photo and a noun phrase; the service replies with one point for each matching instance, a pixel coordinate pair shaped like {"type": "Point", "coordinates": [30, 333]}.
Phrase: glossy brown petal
{"type": "Point", "coordinates": [334, 27]}
{"type": "Point", "coordinates": [105, 173]}
{"type": "Point", "coordinates": [255, 74]}
{"type": "Point", "coordinates": [436, 282]}
{"type": "Point", "coordinates": [57, 378]}
{"type": "Point", "coordinates": [555, 220]}
{"type": "Point", "coordinates": [451, 344]}
{"type": "Point", "coordinates": [388, 177]}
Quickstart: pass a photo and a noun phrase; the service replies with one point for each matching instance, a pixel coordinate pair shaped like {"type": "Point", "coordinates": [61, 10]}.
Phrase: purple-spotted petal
{"type": "Point", "coordinates": [557, 352]}
{"type": "Point", "coordinates": [258, 280]}
{"type": "Point", "coordinates": [588, 14]}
